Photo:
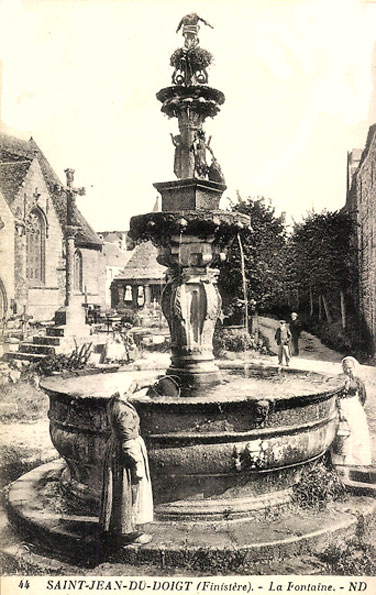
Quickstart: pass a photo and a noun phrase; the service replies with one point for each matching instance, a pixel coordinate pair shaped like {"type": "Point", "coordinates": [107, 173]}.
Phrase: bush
{"type": "Point", "coordinates": [238, 339]}
{"type": "Point", "coordinates": [76, 360]}
{"type": "Point", "coordinates": [354, 558]}
{"type": "Point", "coordinates": [354, 339]}
{"type": "Point", "coordinates": [317, 486]}
{"type": "Point", "coordinates": [127, 315]}
{"type": "Point", "coordinates": [334, 336]}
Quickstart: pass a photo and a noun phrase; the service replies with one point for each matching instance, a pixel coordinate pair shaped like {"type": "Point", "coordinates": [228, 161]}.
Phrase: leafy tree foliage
{"type": "Point", "coordinates": [321, 257]}
{"type": "Point", "coordinates": [264, 260]}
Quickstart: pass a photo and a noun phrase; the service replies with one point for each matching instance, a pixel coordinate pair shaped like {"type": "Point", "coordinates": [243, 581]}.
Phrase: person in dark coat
{"type": "Point", "coordinates": [283, 338]}
{"type": "Point", "coordinates": [127, 500]}
{"type": "Point", "coordinates": [295, 330]}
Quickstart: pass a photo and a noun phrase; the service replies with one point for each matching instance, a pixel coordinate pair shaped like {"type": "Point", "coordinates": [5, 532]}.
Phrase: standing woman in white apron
{"type": "Point", "coordinates": [355, 446]}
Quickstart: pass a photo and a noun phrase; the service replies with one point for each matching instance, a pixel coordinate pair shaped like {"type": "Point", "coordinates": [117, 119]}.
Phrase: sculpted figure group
{"type": "Point", "coordinates": [199, 148]}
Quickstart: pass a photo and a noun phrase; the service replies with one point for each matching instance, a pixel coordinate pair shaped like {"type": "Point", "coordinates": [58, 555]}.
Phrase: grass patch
{"type": "Point", "coordinates": [16, 460]}
{"type": "Point", "coordinates": [22, 402]}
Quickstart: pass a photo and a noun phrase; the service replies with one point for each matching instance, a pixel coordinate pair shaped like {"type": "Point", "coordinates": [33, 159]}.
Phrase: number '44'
{"type": "Point", "coordinates": [23, 584]}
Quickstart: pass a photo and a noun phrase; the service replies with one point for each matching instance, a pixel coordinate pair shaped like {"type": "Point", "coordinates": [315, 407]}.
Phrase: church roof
{"type": "Point", "coordinates": [16, 156]}
{"type": "Point", "coordinates": [143, 264]}
{"type": "Point", "coordinates": [11, 178]}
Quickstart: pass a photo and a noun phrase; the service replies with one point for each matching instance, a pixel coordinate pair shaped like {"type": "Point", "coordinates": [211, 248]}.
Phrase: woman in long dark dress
{"type": "Point", "coordinates": [127, 501]}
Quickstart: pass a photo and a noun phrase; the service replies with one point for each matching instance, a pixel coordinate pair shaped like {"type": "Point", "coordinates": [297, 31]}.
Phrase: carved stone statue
{"type": "Point", "coordinates": [215, 172]}
{"type": "Point", "coordinates": [199, 147]}
{"type": "Point", "coordinates": [177, 142]}
{"type": "Point", "coordinates": [69, 175]}
{"type": "Point", "coordinates": [190, 26]}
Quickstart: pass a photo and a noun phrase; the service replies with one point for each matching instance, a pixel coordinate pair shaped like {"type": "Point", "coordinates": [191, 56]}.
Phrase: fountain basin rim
{"type": "Point", "coordinates": [54, 386]}
{"type": "Point", "coordinates": [215, 437]}
{"type": "Point", "coordinates": [160, 225]}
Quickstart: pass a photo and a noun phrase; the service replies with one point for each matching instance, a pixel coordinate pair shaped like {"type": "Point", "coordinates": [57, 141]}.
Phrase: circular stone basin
{"type": "Point", "coordinates": [225, 453]}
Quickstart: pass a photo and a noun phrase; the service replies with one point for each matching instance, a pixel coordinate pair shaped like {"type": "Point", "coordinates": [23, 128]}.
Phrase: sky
{"type": "Point", "coordinates": [81, 77]}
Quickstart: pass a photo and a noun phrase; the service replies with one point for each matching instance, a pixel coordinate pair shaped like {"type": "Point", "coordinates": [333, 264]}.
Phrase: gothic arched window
{"type": "Point", "coordinates": [78, 274]}
{"type": "Point", "coordinates": [35, 248]}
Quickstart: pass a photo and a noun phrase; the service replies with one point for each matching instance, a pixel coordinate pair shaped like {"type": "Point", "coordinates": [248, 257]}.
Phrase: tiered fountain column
{"type": "Point", "coordinates": [192, 233]}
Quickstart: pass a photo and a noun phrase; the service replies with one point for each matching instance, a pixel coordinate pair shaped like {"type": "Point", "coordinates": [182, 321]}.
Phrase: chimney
{"type": "Point", "coordinates": [353, 160]}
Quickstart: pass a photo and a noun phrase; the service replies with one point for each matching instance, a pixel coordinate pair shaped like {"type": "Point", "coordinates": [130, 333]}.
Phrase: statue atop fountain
{"type": "Point", "coordinates": [190, 25]}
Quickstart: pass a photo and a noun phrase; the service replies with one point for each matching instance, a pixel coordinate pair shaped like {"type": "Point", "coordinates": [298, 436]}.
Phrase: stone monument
{"type": "Point", "coordinates": [70, 319]}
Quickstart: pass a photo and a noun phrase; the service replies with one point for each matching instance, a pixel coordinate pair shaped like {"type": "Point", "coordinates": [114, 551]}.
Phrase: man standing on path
{"type": "Point", "coordinates": [295, 330]}
{"type": "Point", "coordinates": [282, 338]}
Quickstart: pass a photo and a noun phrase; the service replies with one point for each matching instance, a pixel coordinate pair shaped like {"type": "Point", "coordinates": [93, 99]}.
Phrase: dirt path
{"type": "Point", "coordinates": [310, 346]}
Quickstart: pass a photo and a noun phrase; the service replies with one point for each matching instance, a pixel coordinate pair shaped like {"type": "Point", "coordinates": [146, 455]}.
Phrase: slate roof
{"type": "Point", "coordinates": [114, 256]}
{"type": "Point", "coordinates": [16, 156]}
{"type": "Point", "coordinates": [11, 178]}
{"type": "Point", "coordinates": [143, 264]}
{"type": "Point", "coordinates": [112, 236]}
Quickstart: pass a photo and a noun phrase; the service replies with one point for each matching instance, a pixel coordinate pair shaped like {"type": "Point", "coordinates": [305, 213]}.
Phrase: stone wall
{"type": "Point", "coordinates": [7, 232]}
{"type": "Point", "coordinates": [43, 300]}
{"type": "Point", "coordinates": [362, 200]}
{"type": "Point", "coordinates": [94, 276]}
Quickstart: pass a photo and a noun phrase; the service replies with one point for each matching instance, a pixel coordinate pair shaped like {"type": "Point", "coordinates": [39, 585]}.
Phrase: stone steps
{"type": "Point", "coordinates": [31, 357]}
{"type": "Point", "coordinates": [75, 535]}
{"type": "Point", "coordinates": [28, 347]}
{"type": "Point", "coordinates": [55, 331]}
{"type": "Point", "coordinates": [38, 340]}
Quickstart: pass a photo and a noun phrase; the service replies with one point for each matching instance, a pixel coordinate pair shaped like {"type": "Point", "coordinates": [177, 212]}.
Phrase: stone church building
{"type": "Point", "coordinates": [33, 209]}
{"type": "Point", "coordinates": [361, 200]}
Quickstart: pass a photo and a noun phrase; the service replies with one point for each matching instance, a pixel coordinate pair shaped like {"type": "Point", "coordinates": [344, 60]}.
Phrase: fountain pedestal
{"type": "Point", "coordinates": [192, 244]}
{"type": "Point", "coordinates": [190, 194]}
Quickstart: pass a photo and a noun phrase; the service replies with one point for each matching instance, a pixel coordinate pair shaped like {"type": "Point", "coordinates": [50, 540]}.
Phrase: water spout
{"type": "Point", "coordinates": [244, 283]}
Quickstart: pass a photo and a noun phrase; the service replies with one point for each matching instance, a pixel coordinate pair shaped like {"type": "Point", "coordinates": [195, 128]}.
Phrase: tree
{"type": "Point", "coordinates": [264, 262]}
{"type": "Point", "coordinates": [321, 261]}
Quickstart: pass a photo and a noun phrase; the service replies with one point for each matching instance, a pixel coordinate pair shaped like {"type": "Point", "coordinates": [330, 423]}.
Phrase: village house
{"type": "Point", "coordinates": [116, 255]}
{"type": "Point", "coordinates": [138, 287]}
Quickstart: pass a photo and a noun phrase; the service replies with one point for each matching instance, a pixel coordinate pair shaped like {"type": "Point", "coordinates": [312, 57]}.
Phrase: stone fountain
{"type": "Point", "coordinates": [225, 442]}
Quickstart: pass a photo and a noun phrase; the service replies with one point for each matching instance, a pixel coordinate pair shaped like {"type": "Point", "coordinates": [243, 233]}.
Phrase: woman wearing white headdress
{"type": "Point", "coordinates": [356, 449]}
